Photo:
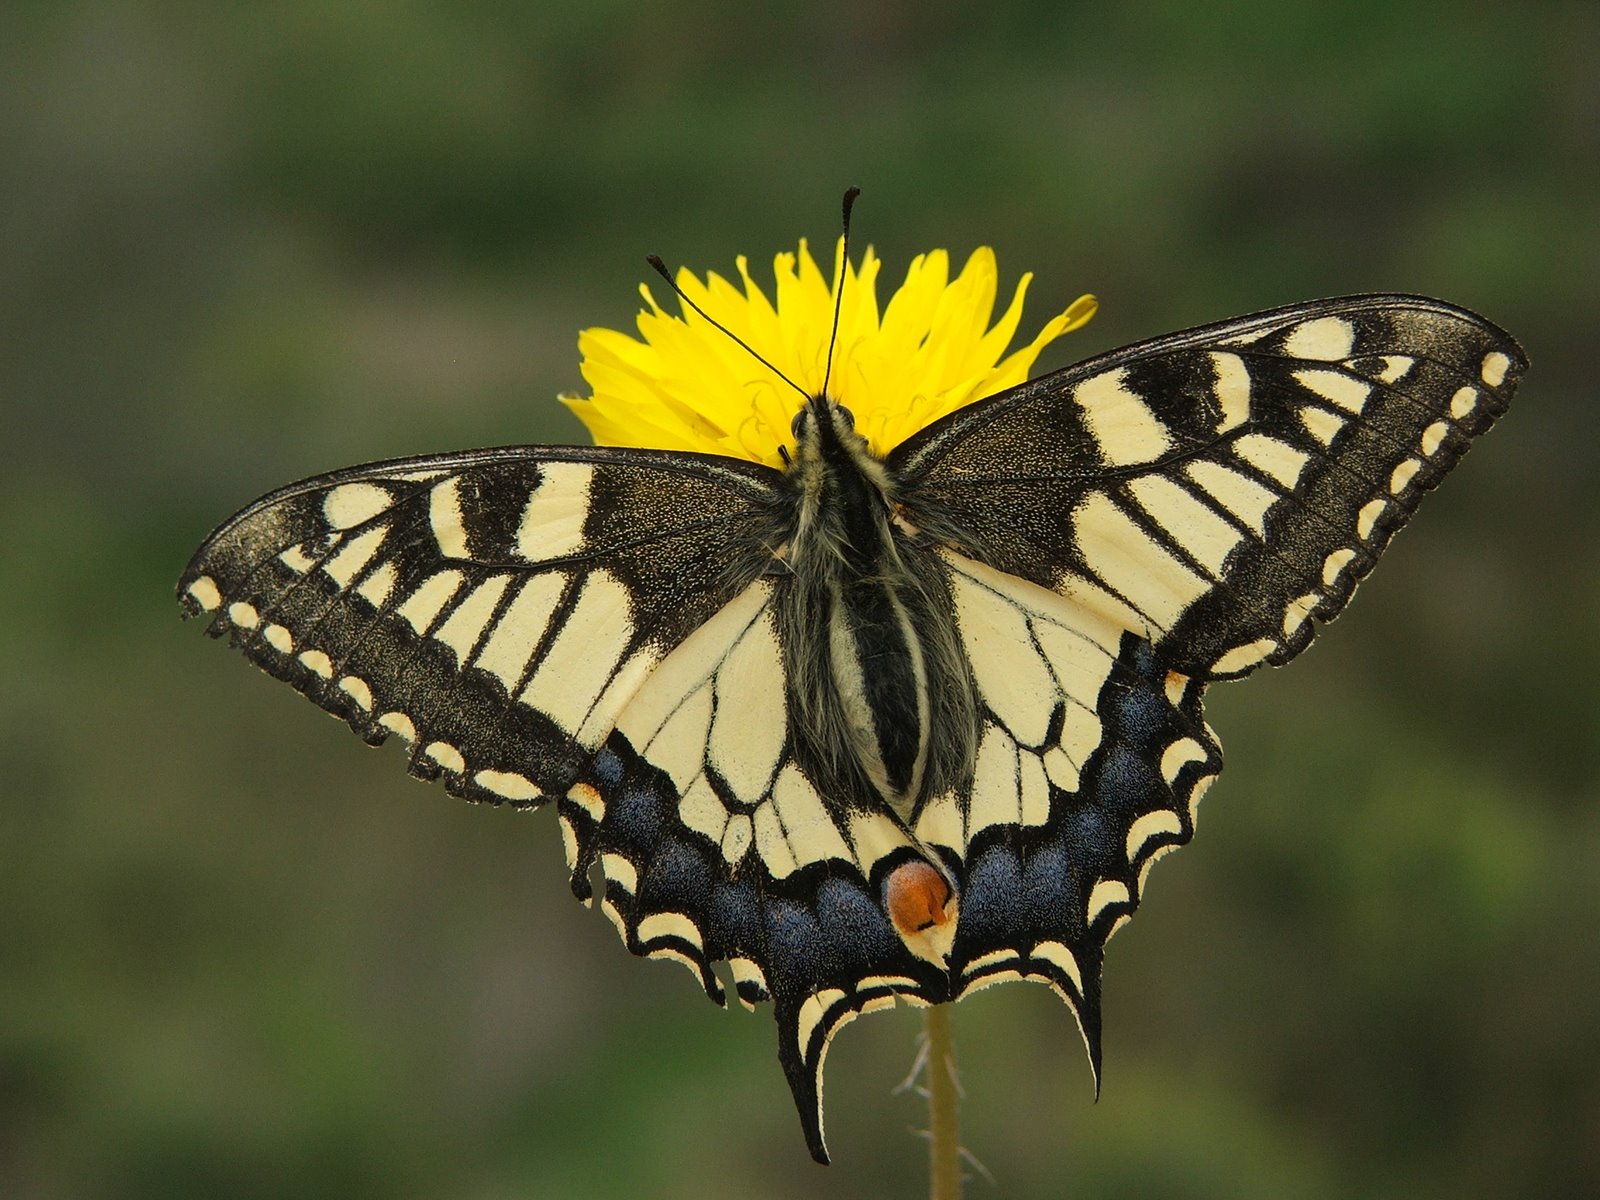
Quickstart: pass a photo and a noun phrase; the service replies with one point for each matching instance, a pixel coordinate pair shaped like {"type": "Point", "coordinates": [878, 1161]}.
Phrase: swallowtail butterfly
{"type": "Point", "coordinates": [871, 729]}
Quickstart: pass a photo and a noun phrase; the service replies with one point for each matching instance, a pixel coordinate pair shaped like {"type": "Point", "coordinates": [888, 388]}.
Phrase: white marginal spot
{"type": "Point", "coordinates": [1062, 958]}
{"type": "Point", "coordinates": [1342, 389]}
{"type": "Point", "coordinates": [702, 811]}
{"type": "Point", "coordinates": [1326, 339]}
{"type": "Point", "coordinates": [1495, 366]}
{"type": "Point", "coordinates": [991, 959]}
{"type": "Point", "coordinates": [1463, 402]}
{"type": "Point", "coordinates": [1395, 368]}
{"type": "Point", "coordinates": [893, 983]}
{"type": "Point", "coordinates": [585, 653]}
{"type": "Point", "coordinates": [513, 785]}
{"type": "Point", "coordinates": [1299, 612]}
{"type": "Point", "coordinates": [737, 838]}
{"type": "Point", "coordinates": [1179, 755]}
{"type": "Point", "coordinates": [398, 722]}
{"type": "Point", "coordinates": [750, 725]}
{"type": "Point", "coordinates": [1201, 787]}
{"type": "Point", "coordinates": [357, 689]}
{"type": "Point", "coordinates": [811, 1013]}
{"type": "Point", "coordinates": [670, 924]}
{"type": "Point", "coordinates": [1208, 538]}
{"type": "Point", "coordinates": [297, 560]}
{"type": "Point", "coordinates": [1320, 423]}
{"type": "Point", "coordinates": [1232, 387]}
{"type": "Point", "coordinates": [586, 797]}
{"type": "Point", "coordinates": [445, 520]}
{"type": "Point", "coordinates": [279, 638]}
{"type": "Point", "coordinates": [620, 871]}
{"type": "Point", "coordinates": [1004, 976]}
{"type": "Point", "coordinates": [1105, 894]}
{"type": "Point", "coordinates": [1239, 494]}
{"type": "Point", "coordinates": [422, 607]}
{"type": "Point", "coordinates": [515, 636]}
{"type": "Point", "coordinates": [317, 663]}
{"type": "Point", "coordinates": [1404, 474]}
{"type": "Point", "coordinates": [1120, 552]}
{"type": "Point", "coordinates": [351, 504]}
{"type": "Point", "coordinates": [465, 625]}
{"type": "Point", "coordinates": [447, 756]}
{"type": "Point", "coordinates": [204, 590]}
{"type": "Point", "coordinates": [1433, 437]}
{"type": "Point", "coordinates": [1333, 566]}
{"type": "Point", "coordinates": [243, 615]}
{"type": "Point", "coordinates": [1163, 822]}
{"type": "Point", "coordinates": [1367, 518]}
{"type": "Point", "coordinates": [569, 845]}
{"type": "Point", "coordinates": [744, 970]}
{"type": "Point", "coordinates": [1122, 424]}
{"type": "Point", "coordinates": [1276, 460]}
{"type": "Point", "coordinates": [1116, 925]}
{"type": "Point", "coordinates": [1156, 855]}
{"type": "Point", "coordinates": [552, 523]}
{"type": "Point", "coordinates": [1242, 658]}
{"type": "Point", "coordinates": [376, 588]}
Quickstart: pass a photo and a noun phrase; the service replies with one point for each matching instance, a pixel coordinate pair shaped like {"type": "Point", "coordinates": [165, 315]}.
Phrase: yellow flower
{"type": "Point", "coordinates": [931, 350]}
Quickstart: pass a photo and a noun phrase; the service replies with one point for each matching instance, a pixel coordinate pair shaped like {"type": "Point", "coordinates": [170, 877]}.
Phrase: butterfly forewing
{"type": "Point", "coordinates": [495, 608]}
{"type": "Point", "coordinates": [1218, 491]}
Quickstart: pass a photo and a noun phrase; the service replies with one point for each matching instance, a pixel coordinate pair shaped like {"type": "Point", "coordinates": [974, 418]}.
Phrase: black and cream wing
{"type": "Point", "coordinates": [1218, 491]}
{"type": "Point", "coordinates": [593, 628]}
{"type": "Point", "coordinates": [495, 608]}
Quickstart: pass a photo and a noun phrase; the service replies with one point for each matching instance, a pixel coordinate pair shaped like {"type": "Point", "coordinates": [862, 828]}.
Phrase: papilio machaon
{"type": "Point", "coordinates": [872, 729]}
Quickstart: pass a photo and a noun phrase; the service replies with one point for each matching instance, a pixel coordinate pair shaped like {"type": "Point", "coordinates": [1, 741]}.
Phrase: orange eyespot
{"type": "Point", "coordinates": [917, 897]}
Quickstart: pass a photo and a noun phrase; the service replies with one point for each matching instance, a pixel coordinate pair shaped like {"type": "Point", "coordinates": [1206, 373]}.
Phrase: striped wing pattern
{"type": "Point", "coordinates": [1219, 491]}
{"type": "Point", "coordinates": [496, 609]}
{"type": "Point", "coordinates": [597, 627]}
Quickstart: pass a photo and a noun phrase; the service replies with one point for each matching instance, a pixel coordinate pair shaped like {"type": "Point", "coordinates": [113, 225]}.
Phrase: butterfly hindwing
{"type": "Point", "coordinates": [1090, 764]}
{"type": "Point", "coordinates": [495, 608]}
{"type": "Point", "coordinates": [714, 846]}
{"type": "Point", "coordinates": [1218, 491]}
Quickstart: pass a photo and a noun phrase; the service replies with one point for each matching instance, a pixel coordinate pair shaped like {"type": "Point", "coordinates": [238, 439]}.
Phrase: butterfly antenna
{"type": "Point", "coordinates": [838, 299]}
{"type": "Point", "coordinates": [661, 269]}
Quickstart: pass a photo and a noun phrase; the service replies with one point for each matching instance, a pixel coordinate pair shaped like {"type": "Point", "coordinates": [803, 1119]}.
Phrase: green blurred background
{"type": "Point", "coordinates": [242, 956]}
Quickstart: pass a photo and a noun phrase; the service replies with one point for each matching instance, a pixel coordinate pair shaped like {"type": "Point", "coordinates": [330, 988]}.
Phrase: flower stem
{"type": "Point", "coordinates": [944, 1132]}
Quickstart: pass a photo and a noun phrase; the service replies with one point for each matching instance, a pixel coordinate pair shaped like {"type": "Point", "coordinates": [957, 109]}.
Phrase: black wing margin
{"type": "Point", "coordinates": [1222, 490]}
{"type": "Point", "coordinates": [496, 608]}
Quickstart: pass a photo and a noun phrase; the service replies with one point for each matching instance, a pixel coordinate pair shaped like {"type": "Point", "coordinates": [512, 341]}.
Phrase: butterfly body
{"type": "Point", "coordinates": [872, 728]}
{"type": "Point", "coordinates": [891, 692]}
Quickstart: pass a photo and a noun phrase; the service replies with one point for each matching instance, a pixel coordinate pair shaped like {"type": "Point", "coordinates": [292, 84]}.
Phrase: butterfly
{"type": "Point", "coordinates": [871, 728]}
